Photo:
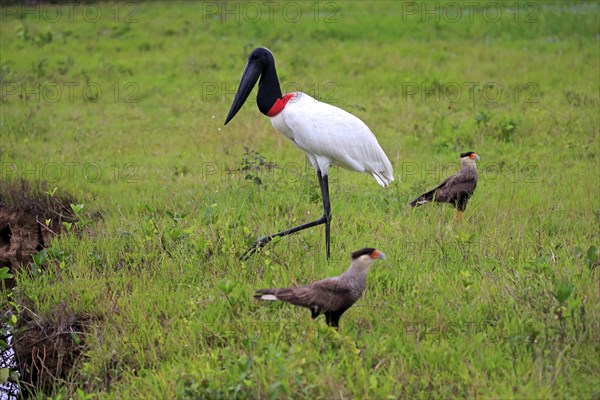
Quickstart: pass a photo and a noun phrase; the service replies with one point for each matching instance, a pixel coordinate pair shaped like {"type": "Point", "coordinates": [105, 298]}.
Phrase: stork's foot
{"type": "Point", "coordinates": [258, 244]}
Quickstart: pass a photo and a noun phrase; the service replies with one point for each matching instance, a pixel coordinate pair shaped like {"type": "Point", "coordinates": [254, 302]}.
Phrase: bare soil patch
{"type": "Point", "coordinates": [29, 216]}
{"type": "Point", "coordinates": [46, 349]}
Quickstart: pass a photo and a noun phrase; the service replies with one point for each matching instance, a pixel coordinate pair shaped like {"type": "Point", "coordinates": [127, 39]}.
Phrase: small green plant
{"type": "Point", "coordinates": [467, 279]}
{"type": "Point", "coordinates": [37, 261]}
{"type": "Point", "coordinates": [82, 220]}
{"type": "Point", "coordinates": [592, 257]}
{"type": "Point", "coordinates": [564, 290]}
{"type": "Point", "coordinates": [52, 192]}
{"type": "Point", "coordinates": [482, 118]}
{"type": "Point", "coordinates": [42, 39]}
{"type": "Point", "coordinates": [65, 65]}
{"type": "Point", "coordinates": [252, 163]}
{"type": "Point", "coordinates": [82, 395]}
{"type": "Point", "coordinates": [5, 273]}
{"type": "Point", "coordinates": [540, 265]}
{"type": "Point", "coordinates": [507, 129]}
{"type": "Point", "coordinates": [39, 68]}
{"type": "Point", "coordinates": [227, 287]}
{"type": "Point", "coordinates": [576, 99]}
{"type": "Point", "coordinates": [22, 32]}
{"type": "Point", "coordinates": [180, 172]}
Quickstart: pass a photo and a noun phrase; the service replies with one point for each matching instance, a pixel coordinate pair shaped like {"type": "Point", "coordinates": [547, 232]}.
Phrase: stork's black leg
{"type": "Point", "coordinates": [324, 183]}
{"type": "Point", "coordinates": [325, 219]}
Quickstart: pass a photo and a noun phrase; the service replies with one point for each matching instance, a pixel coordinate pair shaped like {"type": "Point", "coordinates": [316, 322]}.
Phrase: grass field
{"type": "Point", "coordinates": [121, 107]}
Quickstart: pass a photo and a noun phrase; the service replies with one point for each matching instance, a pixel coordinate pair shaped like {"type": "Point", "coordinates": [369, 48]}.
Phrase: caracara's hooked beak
{"type": "Point", "coordinates": [377, 255]}
{"type": "Point", "coordinates": [249, 78]}
{"type": "Point", "coordinates": [476, 157]}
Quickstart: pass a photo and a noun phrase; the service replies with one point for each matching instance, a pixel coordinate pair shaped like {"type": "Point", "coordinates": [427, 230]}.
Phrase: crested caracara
{"type": "Point", "coordinates": [331, 296]}
{"type": "Point", "coordinates": [456, 189]}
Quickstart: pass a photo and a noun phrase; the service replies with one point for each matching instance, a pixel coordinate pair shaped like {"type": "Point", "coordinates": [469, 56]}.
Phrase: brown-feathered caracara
{"type": "Point", "coordinates": [456, 189]}
{"type": "Point", "coordinates": [331, 296]}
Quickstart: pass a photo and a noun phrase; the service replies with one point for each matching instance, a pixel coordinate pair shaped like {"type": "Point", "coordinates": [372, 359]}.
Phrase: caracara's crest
{"type": "Point", "coordinates": [362, 252]}
{"type": "Point", "coordinates": [470, 154]}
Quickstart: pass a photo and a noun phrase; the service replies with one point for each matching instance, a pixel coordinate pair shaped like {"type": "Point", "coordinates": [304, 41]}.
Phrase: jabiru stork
{"type": "Point", "coordinates": [330, 296]}
{"type": "Point", "coordinates": [327, 134]}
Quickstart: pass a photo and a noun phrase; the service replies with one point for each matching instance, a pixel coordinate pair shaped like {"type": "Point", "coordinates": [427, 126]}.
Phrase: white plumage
{"type": "Point", "coordinates": [329, 135]}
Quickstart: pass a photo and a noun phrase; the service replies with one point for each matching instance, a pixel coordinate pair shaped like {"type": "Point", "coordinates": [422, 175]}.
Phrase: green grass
{"type": "Point", "coordinates": [469, 309]}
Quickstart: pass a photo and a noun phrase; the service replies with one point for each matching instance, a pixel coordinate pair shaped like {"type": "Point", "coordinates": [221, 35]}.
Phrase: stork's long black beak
{"type": "Point", "coordinates": [249, 78]}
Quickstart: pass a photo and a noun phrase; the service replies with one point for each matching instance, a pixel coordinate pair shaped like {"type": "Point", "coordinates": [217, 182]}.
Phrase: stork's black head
{"type": "Point", "coordinates": [261, 56]}
{"type": "Point", "coordinates": [261, 63]}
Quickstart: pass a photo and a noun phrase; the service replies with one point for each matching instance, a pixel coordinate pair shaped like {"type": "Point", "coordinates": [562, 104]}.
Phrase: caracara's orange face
{"type": "Point", "coordinates": [376, 254]}
{"type": "Point", "coordinates": [474, 156]}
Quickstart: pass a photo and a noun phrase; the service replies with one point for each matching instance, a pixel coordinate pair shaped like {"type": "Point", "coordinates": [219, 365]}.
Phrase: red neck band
{"type": "Point", "coordinates": [280, 105]}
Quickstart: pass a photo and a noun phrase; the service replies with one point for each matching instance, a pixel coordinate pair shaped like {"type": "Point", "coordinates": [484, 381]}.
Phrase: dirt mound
{"type": "Point", "coordinates": [29, 217]}
{"type": "Point", "coordinates": [46, 350]}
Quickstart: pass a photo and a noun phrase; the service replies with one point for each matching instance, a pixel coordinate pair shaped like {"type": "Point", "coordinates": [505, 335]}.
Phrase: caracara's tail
{"type": "Point", "coordinates": [285, 294]}
{"type": "Point", "coordinates": [300, 296]}
{"type": "Point", "coordinates": [266, 294]}
{"type": "Point", "coordinates": [423, 199]}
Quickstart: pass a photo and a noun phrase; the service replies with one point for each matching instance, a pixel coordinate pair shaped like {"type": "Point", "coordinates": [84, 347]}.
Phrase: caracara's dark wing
{"type": "Point", "coordinates": [456, 189]}
{"type": "Point", "coordinates": [330, 294]}
{"type": "Point", "coordinates": [429, 196]}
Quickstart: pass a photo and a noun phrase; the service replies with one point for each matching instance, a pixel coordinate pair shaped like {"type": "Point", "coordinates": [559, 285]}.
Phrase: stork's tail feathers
{"type": "Point", "coordinates": [423, 199]}
{"type": "Point", "coordinates": [384, 178]}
